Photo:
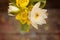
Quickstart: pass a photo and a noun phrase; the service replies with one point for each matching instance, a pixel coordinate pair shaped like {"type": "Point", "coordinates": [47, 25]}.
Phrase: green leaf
{"type": "Point", "coordinates": [43, 3]}
{"type": "Point", "coordinates": [12, 1]}
{"type": "Point", "coordinates": [23, 28]}
{"type": "Point", "coordinates": [33, 1]}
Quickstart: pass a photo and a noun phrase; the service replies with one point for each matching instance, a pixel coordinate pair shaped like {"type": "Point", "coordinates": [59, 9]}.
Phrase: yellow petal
{"type": "Point", "coordinates": [18, 16]}
{"type": "Point", "coordinates": [28, 22]}
{"type": "Point", "coordinates": [23, 21]}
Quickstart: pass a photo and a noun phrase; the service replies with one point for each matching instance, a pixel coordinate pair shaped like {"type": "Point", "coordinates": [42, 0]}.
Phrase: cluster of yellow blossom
{"type": "Point", "coordinates": [23, 17]}
{"type": "Point", "coordinates": [22, 3]}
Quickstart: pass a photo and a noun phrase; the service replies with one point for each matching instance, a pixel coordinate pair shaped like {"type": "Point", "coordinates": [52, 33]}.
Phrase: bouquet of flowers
{"type": "Point", "coordinates": [28, 13]}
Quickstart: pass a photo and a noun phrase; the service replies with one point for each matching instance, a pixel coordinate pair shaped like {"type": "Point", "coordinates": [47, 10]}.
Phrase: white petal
{"type": "Point", "coordinates": [44, 16]}
{"type": "Point", "coordinates": [44, 10]}
{"type": "Point", "coordinates": [36, 5]}
{"type": "Point", "coordinates": [44, 21]}
{"type": "Point", "coordinates": [13, 8]}
{"type": "Point", "coordinates": [35, 25]}
{"type": "Point", "coordinates": [41, 22]}
{"type": "Point", "coordinates": [43, 13]}
{"type": "Point", "coordinates": [11, 14]}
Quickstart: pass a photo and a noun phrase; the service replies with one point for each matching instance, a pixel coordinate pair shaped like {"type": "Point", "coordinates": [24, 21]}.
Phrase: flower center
{"type": "Point", "coordinates": [37, 15]}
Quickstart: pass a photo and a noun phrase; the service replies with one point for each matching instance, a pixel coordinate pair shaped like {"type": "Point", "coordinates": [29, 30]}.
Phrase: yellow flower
{"type": "Point", "coordinates": [23, 17]}
{"type": "Point", "coordinates": [22, 3]}
{"type": "Point", "coordinates": [28, 22]}
{"type": "Point", "coordinates": [18, 16]}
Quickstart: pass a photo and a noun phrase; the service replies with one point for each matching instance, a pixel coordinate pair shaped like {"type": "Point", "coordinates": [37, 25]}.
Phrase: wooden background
{"type": "Point", "coordinates": [9, 30]}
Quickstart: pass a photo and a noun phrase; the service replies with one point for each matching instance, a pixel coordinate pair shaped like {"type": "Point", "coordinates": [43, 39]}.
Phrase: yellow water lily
{"type": "Point", "coordinates": [22, 3]}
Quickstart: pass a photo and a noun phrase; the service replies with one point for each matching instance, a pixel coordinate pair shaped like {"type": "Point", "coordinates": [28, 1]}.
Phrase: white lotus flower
{"type": "Point", "coordinates": [37, 16]}
{"type": "Point", "coordinates": [12, 9]}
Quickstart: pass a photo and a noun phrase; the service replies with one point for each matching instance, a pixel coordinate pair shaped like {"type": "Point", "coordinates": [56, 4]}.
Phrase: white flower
{"type": "Point", "coordinates": [13, 9]}
{"type": "Point", "coordinates": [37, 16]}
